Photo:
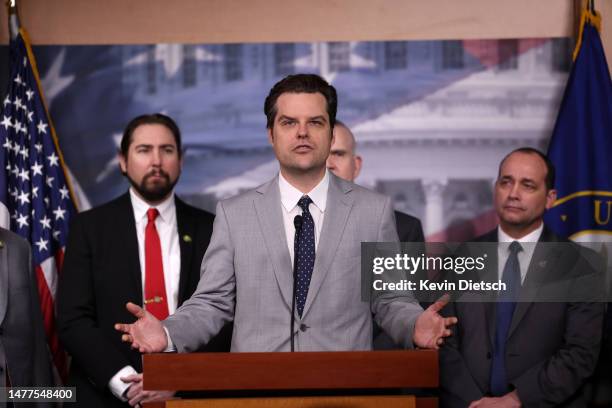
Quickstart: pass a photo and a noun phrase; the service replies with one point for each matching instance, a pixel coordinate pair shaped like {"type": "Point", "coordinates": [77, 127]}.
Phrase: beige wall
{"type": "Point", "coordinates": [210, 21]}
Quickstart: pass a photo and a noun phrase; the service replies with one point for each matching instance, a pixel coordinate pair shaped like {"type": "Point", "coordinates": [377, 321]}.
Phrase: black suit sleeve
{"type": "Point", "coordinates": [557, 378]}
{"type": "Point", "coordinates": [90, 346]}
{"type": "Point", "coordinates": [417, 232]}
{"type": "Point", "coordinates": [409, 228]}
{"type": "Point", "coordinates": [458, 387]}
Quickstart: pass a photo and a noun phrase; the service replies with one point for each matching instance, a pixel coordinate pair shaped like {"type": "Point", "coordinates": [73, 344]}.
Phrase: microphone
{"type": "Point", "coordinates": [297, 223]}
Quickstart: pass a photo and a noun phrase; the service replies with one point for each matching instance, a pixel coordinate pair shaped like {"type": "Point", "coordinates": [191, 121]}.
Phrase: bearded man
{"type": "Point", "coordinates": [145, 246]}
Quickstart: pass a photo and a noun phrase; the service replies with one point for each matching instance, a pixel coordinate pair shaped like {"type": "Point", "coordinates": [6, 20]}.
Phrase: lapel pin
{"type": "Point", "coordinates": [542, 264]}
{"type": "Point", "coordinates": [187, 238]}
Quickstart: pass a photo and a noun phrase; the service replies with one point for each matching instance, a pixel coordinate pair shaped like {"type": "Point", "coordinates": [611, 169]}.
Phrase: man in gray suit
{"type": "Point", "coordinates": [247, 269]}
{"type": "Point", "coordinates": [24, 358]}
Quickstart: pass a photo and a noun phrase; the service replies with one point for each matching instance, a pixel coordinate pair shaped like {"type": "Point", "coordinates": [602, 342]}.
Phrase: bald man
{"type": "Point", "coordinates": [345, 163]}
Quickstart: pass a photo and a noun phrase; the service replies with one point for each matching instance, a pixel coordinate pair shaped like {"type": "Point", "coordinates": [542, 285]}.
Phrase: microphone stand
{"type": "Point", "coordinates": [297, 223]}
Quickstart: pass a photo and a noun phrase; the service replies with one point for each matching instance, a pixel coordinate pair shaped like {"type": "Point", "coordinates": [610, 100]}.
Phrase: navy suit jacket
{"type": "Point", "coordinates": [552, 347]}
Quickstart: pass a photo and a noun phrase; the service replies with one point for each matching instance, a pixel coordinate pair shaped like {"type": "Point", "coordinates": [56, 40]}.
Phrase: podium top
{"type": "Point", "coordinates": [291, 371]}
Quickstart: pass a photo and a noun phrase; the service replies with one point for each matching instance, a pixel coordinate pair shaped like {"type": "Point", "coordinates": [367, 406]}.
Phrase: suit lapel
{"type": "Point", "coordinates": [185, 225]}
{"type": "Point", "coordinates": [541, 264]}
{"type": "Point", "coordinates": [3, 280]}
{"type": "Point", "coordinates": [128, 245]}
{"type": "Point", "coordinates": [338, 207]}
{"type": "Point", "coordinates": [270, 219]}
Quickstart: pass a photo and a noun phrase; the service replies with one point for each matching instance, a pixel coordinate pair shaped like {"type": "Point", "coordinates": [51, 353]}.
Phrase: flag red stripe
{"type": "Point", "coordinates": [47, 308]}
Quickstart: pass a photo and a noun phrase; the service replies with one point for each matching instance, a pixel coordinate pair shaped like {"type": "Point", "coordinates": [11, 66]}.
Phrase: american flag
{"type": "Point", "coordinates": [35, 195]}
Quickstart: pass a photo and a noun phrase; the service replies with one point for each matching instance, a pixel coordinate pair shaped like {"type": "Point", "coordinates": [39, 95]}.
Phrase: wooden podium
{"type": "Point", "coordinates": [298, 377]}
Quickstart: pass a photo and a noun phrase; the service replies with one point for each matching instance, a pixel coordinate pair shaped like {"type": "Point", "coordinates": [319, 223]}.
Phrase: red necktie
{"type": "Point", "coordinates": [155, 302]}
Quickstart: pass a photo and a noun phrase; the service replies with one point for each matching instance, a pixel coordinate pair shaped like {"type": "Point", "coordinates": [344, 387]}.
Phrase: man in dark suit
{"type": "Point", "coordinates": [519, 351]}
{"type": "Point", "coordinates": [24, 358]}
{"type": "Point", "coordinates": [345, 163]}
{"type": "Point", "coordinates": [145, 246]}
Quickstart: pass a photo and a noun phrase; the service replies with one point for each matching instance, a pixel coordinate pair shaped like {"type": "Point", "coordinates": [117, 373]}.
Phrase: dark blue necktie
{"type": "Point", "coordinates": [305, 253]}
{"type": "Point", "coordinates": [504, 310]}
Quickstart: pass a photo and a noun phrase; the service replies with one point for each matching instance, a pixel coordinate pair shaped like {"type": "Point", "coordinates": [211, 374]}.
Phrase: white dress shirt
{"type": "Point", "coordinates": [289, 199]}
{"type": "Point", "coordinates": [528, 242]}
{"type": "Point", "coordinates": [167, 230]}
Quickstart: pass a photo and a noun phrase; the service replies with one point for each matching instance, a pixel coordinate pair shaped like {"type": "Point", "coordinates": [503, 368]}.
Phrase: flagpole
{"type": "Point", "coordinates": [14, 30]}
{"type": "Point", "coordinates": [13, 16]}
{"type": "Point", "coordinates": [588, 15]}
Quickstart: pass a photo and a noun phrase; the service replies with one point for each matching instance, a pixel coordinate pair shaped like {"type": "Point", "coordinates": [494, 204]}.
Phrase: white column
{"type": "Point", "coordinates": [434, 208]}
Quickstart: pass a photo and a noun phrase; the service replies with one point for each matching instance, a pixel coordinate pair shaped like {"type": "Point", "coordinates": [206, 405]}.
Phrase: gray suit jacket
{"type": "Point", "coordinates": [23, 348]}
{"type": "Point", "coordinates": [247, 276]}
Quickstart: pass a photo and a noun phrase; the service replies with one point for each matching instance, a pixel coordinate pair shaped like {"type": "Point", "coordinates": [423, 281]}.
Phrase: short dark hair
{"type": "Point", "coordinates": [301, 83]}
{"type": "Point", "coordinates": [150, 119]}
{"type": "Point", "coordinates": [550, 167]}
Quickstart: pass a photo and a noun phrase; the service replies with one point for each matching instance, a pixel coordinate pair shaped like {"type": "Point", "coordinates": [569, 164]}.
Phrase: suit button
{"type": "Point", "coordinates": [488, 355]}
{"type": "Point", "coordinates": [303, 327]}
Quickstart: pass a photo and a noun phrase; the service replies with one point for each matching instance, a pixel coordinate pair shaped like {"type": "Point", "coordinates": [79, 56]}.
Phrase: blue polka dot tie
{"type": "Point", "coordinates": [305, 253]}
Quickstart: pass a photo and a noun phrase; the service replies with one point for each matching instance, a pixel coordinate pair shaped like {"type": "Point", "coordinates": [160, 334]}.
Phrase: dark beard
{"type": "Point", "coordinates": [156, 193]}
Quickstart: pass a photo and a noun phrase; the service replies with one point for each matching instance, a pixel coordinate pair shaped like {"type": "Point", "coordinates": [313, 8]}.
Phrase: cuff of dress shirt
{"type": "Point", "coordinates": [119, 387]}
{"type": "Point", "coordinates": [170, 348]}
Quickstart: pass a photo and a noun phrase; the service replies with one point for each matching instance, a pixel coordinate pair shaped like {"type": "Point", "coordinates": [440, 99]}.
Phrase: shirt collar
{"type": "Point", "coordinates": [166, 208]}
{"type": "Point", "coordinates": [533, 236]}
{"type": "Point", "coordinates": [291, 195]}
